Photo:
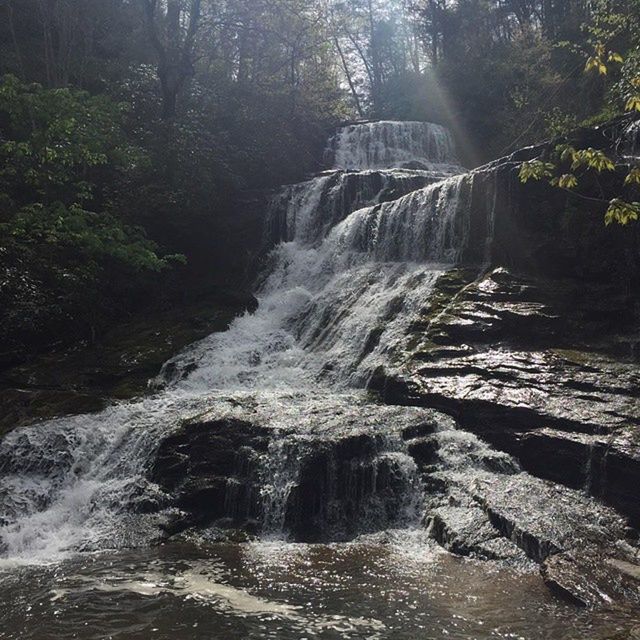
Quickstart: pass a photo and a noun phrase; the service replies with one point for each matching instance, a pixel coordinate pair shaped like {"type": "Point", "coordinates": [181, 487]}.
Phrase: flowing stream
{"type": "Point", "coordinates": [356, 253]}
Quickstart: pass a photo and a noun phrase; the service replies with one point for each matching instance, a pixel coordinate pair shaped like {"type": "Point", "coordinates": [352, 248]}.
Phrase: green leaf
{"type": "Point", "coordinates": [568, 181]}
{"type": "Point", "coordinates": [592, 159]}
{"type": "Point", "coordinates": [536, 170]}
{"type": "Point", "coordinates": [633, 104]}
{"type": "Point", "coordinates": [622, 212]}
{"type": "Point", "coordinates": [633, 177]}
{"type": "Point", "coordinates": [592, 64]}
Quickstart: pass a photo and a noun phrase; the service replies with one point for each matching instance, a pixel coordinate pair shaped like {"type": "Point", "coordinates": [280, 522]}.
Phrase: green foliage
{"type": "Point", "coordinates": [622, 212]}
{"type": "Point", "coordinates": [589, 158]}
{"type": "Point", "coordinates": [585, 160]}
{"type": "Point", "coordinates": [52, 141]}
{"type": "Point", "coordinates": [558, 122]}
{"type": "Point", "coordinates": [565, 181]}
{"type": "Point", "coordinates": [605, 27]}
{"type": "Point", "coordinates": [65, 249]}
{"type": "Point", "coordinates": [536, 170]}
{"type": "Point", "coordinates": [633, 177]}
{"type": "Point", "coordinates": [88, 235]}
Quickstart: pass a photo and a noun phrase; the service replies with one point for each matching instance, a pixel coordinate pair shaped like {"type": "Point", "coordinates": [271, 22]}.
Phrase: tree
{"type": "Point", "coordinates": [569, 166]}
{"type": "Point", "coordinates": [377, 46]}
{"type": "Point", "coordinates": [172, 30]}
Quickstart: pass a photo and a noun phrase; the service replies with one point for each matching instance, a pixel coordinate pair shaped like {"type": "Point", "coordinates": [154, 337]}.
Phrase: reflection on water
{"type": "Point", "coordinates": [392, 585]}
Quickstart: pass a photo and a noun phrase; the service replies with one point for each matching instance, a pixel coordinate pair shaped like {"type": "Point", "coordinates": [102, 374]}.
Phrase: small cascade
{"type": "Point", "coordinates": [279, 476]}
{"type": "Point", "coordinates": [73, 483]}
{"type": "Point", "coordinates": [381, 145]}
{"type": "Point", "coordinates": [430, 224]}
{"type": "Point", "coordinates": [332, 489]}
{"type": "Point", "coordinates": [631, 140]}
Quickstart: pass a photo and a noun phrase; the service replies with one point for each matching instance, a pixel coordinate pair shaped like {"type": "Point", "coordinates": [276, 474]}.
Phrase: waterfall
{"type": "Point", "coordinates": [380, 145]}
{"type": "Point", "coordinates": [349, 492]}
{"type": "Point", "coordinates": [357, 255]}
{"type": "Point", "coordinates": [631, 140]}
{"type": "Point", "coordinates": [336, 309]}
{"type": "Point", "coordinates": [306, 212]}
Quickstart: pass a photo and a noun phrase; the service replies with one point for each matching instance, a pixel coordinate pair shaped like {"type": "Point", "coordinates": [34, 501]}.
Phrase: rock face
{"type": "Point", "coordinates": [533, 342]}
{"type": "Point", "coordinates": [323, 470]}
{"type": "Point", "coordinates": [507, 358]}
{"type": "Point", "coordinates": [350, 468]}
{"type": "Point", "coordinates": [210, 470]}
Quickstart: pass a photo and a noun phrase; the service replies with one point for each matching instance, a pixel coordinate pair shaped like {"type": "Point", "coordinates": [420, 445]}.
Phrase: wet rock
{"type": "Point", "coordinates": [424, 450]}
{"type": "Point", "coordinates": [323, 472]}
{"type": "Point", "coordinates": [587, 581]}
{"type": "Point", "coordinates": [468, 531]}
{"type": "Point", "coordinates": [577, 542]}
{"type": "Point", "coordinates": [533, 367]}
{"type": "Point", "coordinates": [21, 406]}
{"type": "Point", "coordinates": [205, 463]}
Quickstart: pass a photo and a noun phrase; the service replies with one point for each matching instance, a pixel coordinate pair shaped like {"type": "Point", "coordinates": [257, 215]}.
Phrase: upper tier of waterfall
{"type": "Point", "coordinates": [372, 163]}
{"type": "Point", "coordinates": [385, 144]}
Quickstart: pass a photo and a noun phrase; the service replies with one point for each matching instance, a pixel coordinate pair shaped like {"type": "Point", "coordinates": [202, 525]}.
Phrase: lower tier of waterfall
{"type": "Point", "coordinates": [320, 515]}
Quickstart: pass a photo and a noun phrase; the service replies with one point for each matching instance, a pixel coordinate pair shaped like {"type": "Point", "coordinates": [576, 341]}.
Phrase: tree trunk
{"type": "Point", "coordinates": [347, 73]}
{"type": "Point", "coordinates": [174, 51]}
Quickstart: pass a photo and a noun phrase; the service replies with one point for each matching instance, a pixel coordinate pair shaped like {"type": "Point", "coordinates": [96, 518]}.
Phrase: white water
{"type": "Point", "coordinates": [631, 140]}
{"type": "Point", "coordinates": [380, 145]}
{"type": "Point", "coordinates": [307, 211]}
{"type": "Point", "coordinates": [335, 305]}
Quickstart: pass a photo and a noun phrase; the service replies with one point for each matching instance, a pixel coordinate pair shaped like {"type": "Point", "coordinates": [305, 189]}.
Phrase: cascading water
{"type": "Point", "coordinates": [342, 289]}
{"type": "Point", "coordinates": [380, 145]}
{"type": "Point", "coordinates": [631, 140]}
{"type": "Point", "coordinates": [357, 253]}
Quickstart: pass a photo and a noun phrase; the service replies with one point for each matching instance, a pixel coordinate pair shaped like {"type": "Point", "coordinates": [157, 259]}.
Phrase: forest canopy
{"type": "Point", "coordinates": [130, 128]}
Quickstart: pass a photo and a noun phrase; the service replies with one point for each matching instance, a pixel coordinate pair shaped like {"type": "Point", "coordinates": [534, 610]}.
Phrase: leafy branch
{"type": "Point", "coordinates": [569, 164]}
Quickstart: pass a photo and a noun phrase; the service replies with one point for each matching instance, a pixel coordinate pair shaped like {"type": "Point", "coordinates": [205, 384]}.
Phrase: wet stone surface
{"type": "Point", "coordinates": [265, 467]}
{"type": "Point", "coordinates": [507, 357]}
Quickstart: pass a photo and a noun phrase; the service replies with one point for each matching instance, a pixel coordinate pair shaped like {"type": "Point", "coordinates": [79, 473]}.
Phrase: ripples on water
{"type": "Point", "coordinates": [392, 585]}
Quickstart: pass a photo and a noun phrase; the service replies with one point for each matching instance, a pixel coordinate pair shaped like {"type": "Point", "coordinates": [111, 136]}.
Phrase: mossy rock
{"type": "Point", "coordinates": [85, 378]}
{"type": "Point", "coordinates": [25, 406]}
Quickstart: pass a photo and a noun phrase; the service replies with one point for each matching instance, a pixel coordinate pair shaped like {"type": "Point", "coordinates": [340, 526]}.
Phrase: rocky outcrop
{"type": "Point", "coordinates": [516, 360]}
{"type": "Point", "coordinates": [325, 472]}
{"type": "Point", "coordinates": [533, 342]}
{"type": "Point", "coordinates": [86, 377]}
{"type": "Point", "coordinates": [533, 345]}
{"type": "Point", "coordinates": [209, 469]}
{"type": "Point", "coordinates": [347, 468]}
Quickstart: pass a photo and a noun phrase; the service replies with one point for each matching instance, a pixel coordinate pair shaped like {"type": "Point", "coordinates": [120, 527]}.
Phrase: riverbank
{"type": "Point", "coordinates": [84, 377]}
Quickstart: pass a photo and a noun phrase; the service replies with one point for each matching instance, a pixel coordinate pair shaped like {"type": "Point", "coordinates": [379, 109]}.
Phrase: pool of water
{"type": "Point", "coordinates": [396, 585]}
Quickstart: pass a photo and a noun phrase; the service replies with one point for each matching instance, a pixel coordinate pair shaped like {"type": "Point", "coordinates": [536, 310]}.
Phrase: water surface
{"type": "Point", "coordinates": [394, 585]}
